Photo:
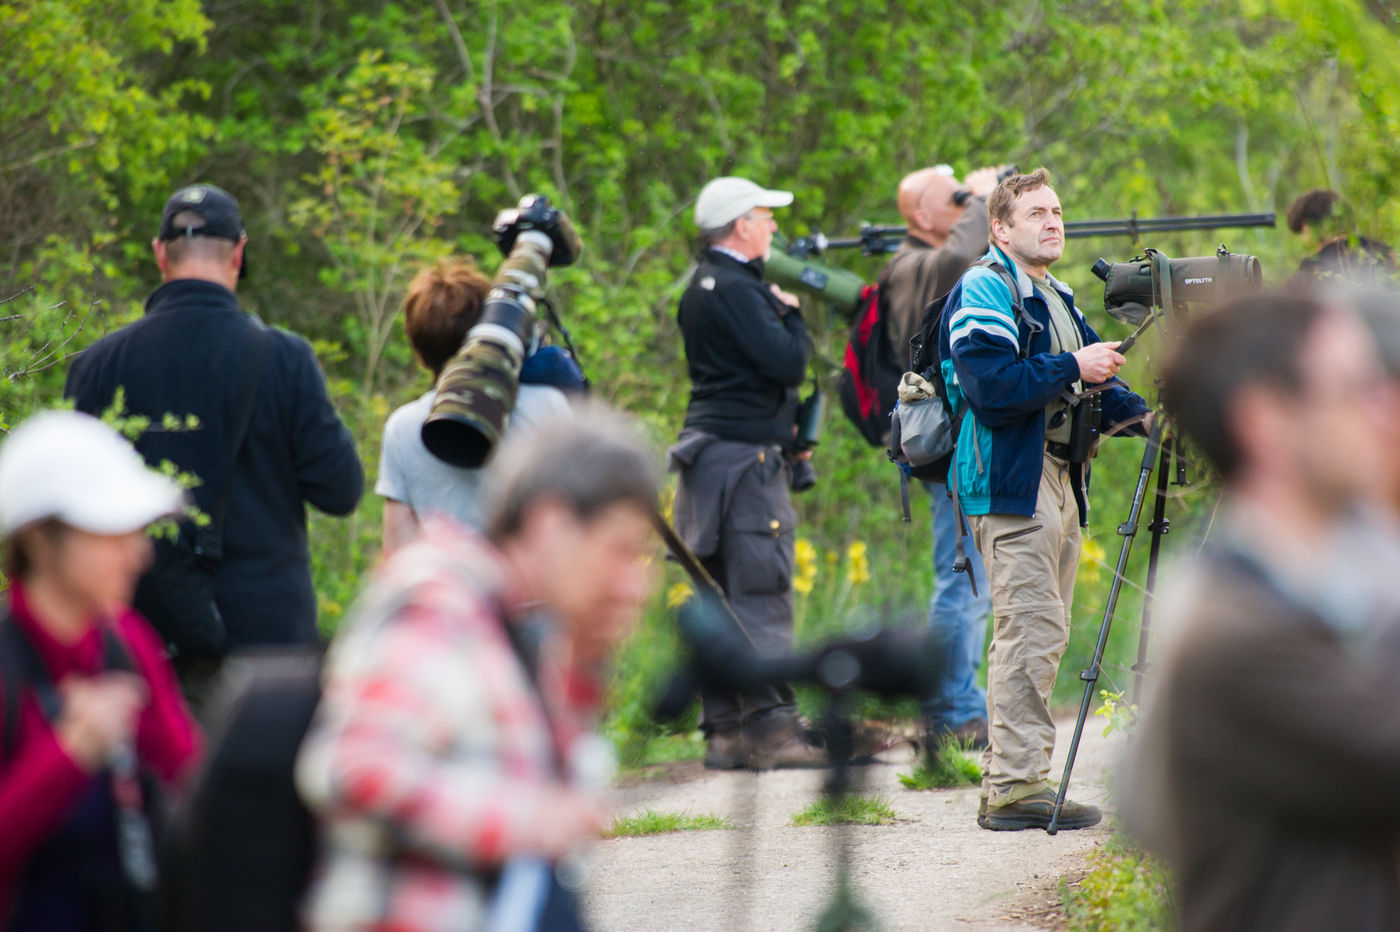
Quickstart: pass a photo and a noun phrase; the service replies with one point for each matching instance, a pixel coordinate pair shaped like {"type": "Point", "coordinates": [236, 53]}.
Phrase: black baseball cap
{"type": "Point", "coordinates": [216, 208]}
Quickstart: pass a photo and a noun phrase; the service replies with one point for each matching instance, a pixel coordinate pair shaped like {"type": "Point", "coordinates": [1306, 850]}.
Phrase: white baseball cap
{"type": "Point", "coordinates": [729, 198]}
{"type": "Point", "coordinates": [73, 467]}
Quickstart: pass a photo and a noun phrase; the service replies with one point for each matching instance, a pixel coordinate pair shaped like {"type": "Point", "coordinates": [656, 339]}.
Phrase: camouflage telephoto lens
{"type": "Point", "coordinates": [477, 389]}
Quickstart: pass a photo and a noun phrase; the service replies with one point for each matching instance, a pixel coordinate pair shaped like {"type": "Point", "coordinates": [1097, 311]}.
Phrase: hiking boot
{"type": "Point", "coordinates": [785, 748]}
{"type": "Point", "coordinates": [1034, 811]}
{"type": "Point", "coordinates": [725, 751]}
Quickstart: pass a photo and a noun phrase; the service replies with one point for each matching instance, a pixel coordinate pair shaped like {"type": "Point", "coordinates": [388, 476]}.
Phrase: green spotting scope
{"type": "Point", "coordinates": [841, 287]}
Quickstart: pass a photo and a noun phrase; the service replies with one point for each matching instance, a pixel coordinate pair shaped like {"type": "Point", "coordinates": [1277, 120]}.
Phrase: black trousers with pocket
{"type": "Point", "coordinates": [733, 508]}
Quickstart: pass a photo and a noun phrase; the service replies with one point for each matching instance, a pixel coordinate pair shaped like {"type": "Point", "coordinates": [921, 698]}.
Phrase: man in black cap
{"type": "Point", "coordinates": [268, 440]}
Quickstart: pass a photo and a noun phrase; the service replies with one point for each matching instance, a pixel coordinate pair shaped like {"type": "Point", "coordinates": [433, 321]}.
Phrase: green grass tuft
{"type": "Point", "coordinates": [652, 822]}
{"type": "Point", "coordinates": [849, 809]}
{"type": "Point", "coordinates": [953, 763]}
{"type": "Point", "coordinates": [1126, 890]}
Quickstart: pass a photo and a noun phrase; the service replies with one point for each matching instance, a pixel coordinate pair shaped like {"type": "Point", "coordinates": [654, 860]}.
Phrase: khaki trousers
{"type": "Point", "coordinates": [1031, 564]}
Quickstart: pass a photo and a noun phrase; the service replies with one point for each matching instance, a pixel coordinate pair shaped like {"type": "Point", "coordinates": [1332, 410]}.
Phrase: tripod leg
{"type": "Point", "coordinates": [1090, 675]}
{"type": "Point", "coordinates": [1159, 527]}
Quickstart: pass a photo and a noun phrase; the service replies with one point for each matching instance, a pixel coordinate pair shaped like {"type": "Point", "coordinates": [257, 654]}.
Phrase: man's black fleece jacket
{"type": "Point", "coordinates": [185, 356]}
{"type": "Point", "coordinates": [746, 351]}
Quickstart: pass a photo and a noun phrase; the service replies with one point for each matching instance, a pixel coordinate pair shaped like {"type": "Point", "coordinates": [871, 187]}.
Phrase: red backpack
{"type": "Point", "coordinates": [869, 381]}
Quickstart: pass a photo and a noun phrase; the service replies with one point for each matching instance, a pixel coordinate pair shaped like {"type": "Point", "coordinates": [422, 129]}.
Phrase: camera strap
{"type": "Point", "coordinates": [961, 564]}
{"type": "Point", "coordinates": [210, 538]}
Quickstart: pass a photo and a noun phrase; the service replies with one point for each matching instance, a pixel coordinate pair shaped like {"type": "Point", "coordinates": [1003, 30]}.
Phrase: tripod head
{"type": "Point", "coordinates": [890, 662]}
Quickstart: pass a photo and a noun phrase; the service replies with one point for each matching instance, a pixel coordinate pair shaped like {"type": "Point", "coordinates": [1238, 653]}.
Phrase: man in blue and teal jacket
{"type": "Point", "coordinates": [1014, 363]}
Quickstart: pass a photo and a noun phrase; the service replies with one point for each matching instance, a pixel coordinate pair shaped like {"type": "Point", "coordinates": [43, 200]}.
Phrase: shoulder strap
{"type": "Point", "coordinates": [961, 563]}
{"type": "Point", "coordinates": [12, 682]}
{"type": "Point", "coordinates": [1018, 303]}
{"type": "Point", "coordinates": [242, 418]}
{"type": "Point", "coordinates": [22, 669]}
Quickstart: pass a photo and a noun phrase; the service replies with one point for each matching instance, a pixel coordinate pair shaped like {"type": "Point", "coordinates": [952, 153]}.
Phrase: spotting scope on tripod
{"type": "Point", "coordinates": [1151, 290]}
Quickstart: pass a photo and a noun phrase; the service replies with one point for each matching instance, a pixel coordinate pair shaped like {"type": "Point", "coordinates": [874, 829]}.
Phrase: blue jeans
{"type": "Point", "coordinates": [958, 619]}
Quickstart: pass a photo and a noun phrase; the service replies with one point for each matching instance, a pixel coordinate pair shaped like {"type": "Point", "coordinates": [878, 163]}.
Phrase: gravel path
{"type": "Point", "coordinates": [933, 870]}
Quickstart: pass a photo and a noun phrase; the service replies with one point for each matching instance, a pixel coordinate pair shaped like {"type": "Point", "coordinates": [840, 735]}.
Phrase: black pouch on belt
{"type": "Point", "coordinates": [1086, 414]}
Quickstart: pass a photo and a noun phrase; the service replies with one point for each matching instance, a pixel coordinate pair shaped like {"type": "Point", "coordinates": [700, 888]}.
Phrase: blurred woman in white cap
{"type": "Point", "coordinates": [89, 707]}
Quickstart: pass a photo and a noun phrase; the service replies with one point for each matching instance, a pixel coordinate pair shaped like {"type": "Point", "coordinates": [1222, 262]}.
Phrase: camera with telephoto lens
{"type": "Point", "coordinates": [477, 389]}
{"type": "Point", "coordinates": [1133, 288]}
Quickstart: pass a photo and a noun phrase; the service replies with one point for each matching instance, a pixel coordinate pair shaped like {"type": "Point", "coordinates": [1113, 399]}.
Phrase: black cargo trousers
{"type": "Point", "coordinates": [734, 510]}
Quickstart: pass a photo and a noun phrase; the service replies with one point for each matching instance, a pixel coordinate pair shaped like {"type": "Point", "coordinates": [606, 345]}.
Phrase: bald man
{"type": "Point", "coordinates": [944, 238]}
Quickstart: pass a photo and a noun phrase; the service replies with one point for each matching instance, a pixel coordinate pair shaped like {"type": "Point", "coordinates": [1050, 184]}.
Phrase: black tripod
{"type": "Point", "coordinates": [1162, 450]}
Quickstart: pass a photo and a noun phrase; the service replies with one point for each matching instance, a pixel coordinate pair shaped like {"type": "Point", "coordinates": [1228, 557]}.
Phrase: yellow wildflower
{"type": "Point", "coordinates": [677, 594]}
{"type": "Point", "coordinates": [858, 566]}
{"type": "Point", "coordinates": [1090, 563]}
{"type": "Point", "coordinates": [806, 558]}
{"type": "Point", "coordinates": [668, 504]}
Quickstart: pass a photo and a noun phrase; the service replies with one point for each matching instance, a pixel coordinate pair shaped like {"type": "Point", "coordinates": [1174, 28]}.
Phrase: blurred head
{"type": "Point", "coordinates": [1311, 211]}
{"type": "Point", "coordinates": [74, 501]}
{"type": "Point", "coordinates": [1283, 389]}
{"type": "Point", "coordinates": [442, 304]}
{"type": "Point", "coordinates": [1379, 309]}
{"type": "Point", "coordinates": [738, 214]}
{"type": "Point", "coordinates": [925, 200]}
{"type": "Point", "coordinates": [1026, 221]}
{"type": "Point", "coordinates": [571, 505]}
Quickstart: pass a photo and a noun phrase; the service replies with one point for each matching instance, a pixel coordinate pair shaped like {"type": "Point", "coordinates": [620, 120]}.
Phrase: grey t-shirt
{"type": "Point", "coordinates": [1064, 338]}
{"type": "Point", "coordinates": [408, 473]}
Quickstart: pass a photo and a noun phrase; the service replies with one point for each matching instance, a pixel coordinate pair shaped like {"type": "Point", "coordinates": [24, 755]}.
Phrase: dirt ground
{"type": "Point", "coordinates": [933, 870]}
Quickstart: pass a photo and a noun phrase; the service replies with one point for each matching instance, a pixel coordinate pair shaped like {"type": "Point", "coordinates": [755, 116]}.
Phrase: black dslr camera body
{"type": "Point", "coordinates": [534, 212]}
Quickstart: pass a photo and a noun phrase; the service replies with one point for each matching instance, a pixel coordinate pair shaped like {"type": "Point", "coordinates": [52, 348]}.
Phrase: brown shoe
{"type": "Point", "coordinates": [971, 735]}
{"type": "Point", "coordinates": [785, 748]}
{"type": "Point", "coordinates": [726, 751]}
{"type": "Point", "coordinates": [1034, 812]}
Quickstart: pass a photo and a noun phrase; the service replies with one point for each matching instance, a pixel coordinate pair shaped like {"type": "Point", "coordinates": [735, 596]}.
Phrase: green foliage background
{"type": "Point", "coordinates": [366, 138]}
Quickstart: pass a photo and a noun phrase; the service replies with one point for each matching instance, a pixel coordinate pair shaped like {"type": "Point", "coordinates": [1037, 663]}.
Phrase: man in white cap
{"type": "Point", "coordinates": [746, 349]}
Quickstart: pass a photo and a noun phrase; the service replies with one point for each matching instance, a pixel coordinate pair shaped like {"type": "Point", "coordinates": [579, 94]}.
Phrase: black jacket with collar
{"type": "Point", "coordinates": [746, 352]}
{"type": "Point", "coordinates": [185, 356]}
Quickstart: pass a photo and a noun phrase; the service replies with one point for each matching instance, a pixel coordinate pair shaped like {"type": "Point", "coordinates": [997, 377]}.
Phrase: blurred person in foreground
{"type": "Point", "coordinates": [443, 303]}
{"type": "Point", "coordinates": [1379, 308]}
{"type": "Point", "coordinates": [1271, 738]}
{"type": "Point", "coordinates": [88, 703]}
{"type": "Point", "coordinates": [453, 740]}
